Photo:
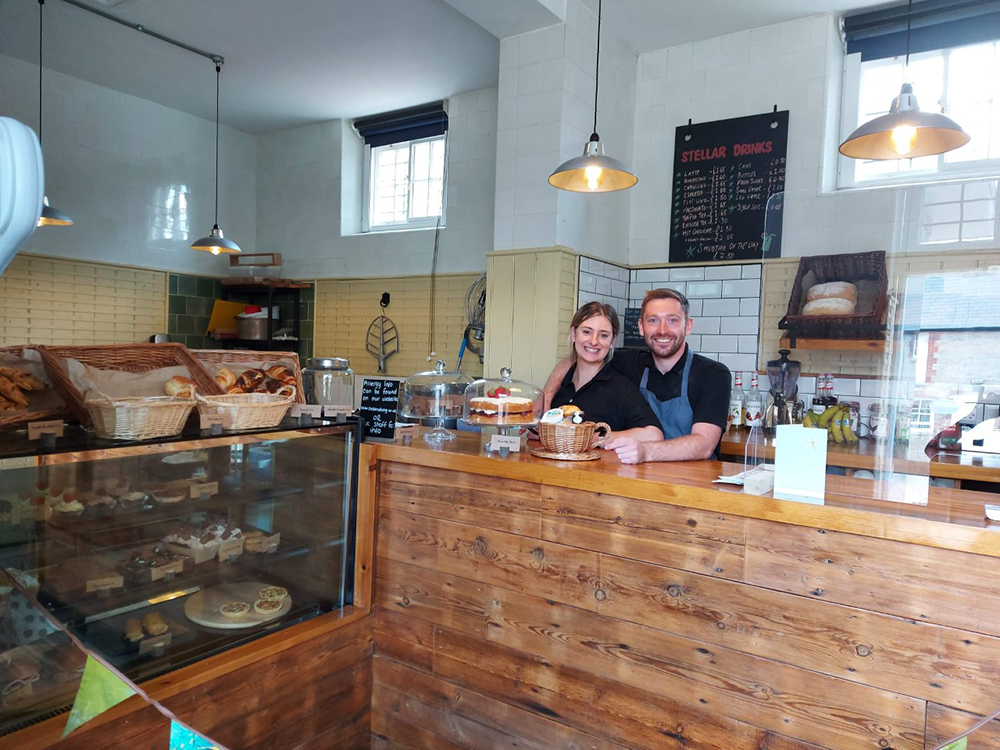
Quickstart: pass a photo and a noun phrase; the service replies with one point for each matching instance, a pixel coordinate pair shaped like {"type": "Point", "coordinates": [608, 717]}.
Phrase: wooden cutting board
{"type": "Point", "coordinates": [203, 608]}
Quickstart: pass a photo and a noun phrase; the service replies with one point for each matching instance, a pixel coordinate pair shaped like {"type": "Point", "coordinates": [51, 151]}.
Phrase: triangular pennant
{"type": "Point", "coordinates": [182, 738]}
{"type": "Point", "coordinates": [100, 689]}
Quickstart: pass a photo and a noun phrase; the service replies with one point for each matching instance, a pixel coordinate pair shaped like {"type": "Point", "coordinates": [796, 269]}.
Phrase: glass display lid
{"type": "Point", "coordinates": [503, 402]}
{"type": "Point", "coordinates": [438, 395]}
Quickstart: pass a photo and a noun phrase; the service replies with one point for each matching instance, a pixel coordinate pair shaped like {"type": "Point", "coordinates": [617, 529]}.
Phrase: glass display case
{"type": "Point", "coordinates": [436, 396]}
{"type": "Point", "coordinates": [157, 556]}
{"type": "Point", "coordinates": [503, 402]}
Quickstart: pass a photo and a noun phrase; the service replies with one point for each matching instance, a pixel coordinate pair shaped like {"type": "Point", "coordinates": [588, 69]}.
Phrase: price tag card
{"type": "Point", "coordinates": [161, 572]}
{"type": "Point", "coordinates": [313, 410]}
{"type": "Point", "coordinates": [512, 442]}
{"type": "Point", "coordinates": [103, 584]}
{"type": "Point", "coordinates": [37, 429]}
{"type": "Point", "coordinates": [207, 420]}
{"type": "Point", "coordinates": [151, 644]}
{"type": "Point", "coordinates": [204, 490]}
{"type": "Point", "coordinates": [333, 411]}
{"type": "Point", "coordinates": [230, 547]}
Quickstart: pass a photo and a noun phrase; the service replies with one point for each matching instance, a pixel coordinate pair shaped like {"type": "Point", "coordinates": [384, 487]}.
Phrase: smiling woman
{"type": "Point", "coordinates": [600, 391]}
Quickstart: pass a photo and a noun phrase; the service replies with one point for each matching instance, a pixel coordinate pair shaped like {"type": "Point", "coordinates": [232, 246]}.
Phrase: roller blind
{"type": "Point", "coordinates": [401, 125]}
{"type": "Point", "coordinates": [936, 24]}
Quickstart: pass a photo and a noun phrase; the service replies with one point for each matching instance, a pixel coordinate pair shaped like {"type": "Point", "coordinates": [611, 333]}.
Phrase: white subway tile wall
{"type": "Point", "coordinates": [604, 282]}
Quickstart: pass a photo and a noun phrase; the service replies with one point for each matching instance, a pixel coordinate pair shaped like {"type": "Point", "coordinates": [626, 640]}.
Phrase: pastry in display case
{"type": "Point", "coordinates": [157, 556]}
{"type": "Point", "coordinates": [503, 403]}
{"type": "Point", "coordinates": [436, 395]}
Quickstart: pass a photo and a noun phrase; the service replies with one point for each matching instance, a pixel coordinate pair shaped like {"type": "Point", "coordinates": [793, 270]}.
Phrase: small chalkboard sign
{"type": "Point", "coordinates": [379, 401]}
{"type": "Point", "coordinates": [633, 339]}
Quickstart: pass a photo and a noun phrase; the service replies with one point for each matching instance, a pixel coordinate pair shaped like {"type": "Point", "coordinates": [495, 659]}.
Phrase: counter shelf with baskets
{"type": "Point", "coordinates": [114, 533]}
{"type": "Point", "coordinates": [249, 411]}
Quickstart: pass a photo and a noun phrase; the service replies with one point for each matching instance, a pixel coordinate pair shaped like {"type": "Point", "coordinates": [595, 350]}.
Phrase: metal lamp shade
{"type": "Point", "coordinates": [215, 243]}
{"type": "Point", "coordinates": [934, 133]}
{"type": "Point", "coordinates": [573, 175]}
{"type": "Point", "coordinates": [52, 217]}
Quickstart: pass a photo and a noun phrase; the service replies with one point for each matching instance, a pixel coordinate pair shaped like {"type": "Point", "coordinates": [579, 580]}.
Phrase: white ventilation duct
{"type": "Point", "coordinates": [22, 185]}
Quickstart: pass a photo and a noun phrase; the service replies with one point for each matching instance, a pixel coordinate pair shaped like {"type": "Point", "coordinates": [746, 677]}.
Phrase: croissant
{"type": "Point", "coordinates": [225, 377]}
{"type": "Point", "coordinates": [10, 391]}
{"type": "Point", "coordinates": [281, 373]}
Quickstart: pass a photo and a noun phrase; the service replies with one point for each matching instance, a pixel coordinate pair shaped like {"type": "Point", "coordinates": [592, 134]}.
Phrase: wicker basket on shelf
{"type": "Point", "coordinates": [250, 411]}
{"type": "Point", "coordinates": [137, 358]}
{"type": "Point", "coordinates": [10, 421]}
{"type": "Point", "coordinates": [212, 357]}
{"type": "Point", "coordinates": [143, 418]}
{"type": "Point", "coordinates": [566, 437]}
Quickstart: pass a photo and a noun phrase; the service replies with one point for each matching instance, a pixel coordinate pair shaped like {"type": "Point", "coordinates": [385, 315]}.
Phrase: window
{"type": "Point", "coordinates": [960, 214]}
{"type": "Point", "coordinates": [962, 82]}
{"type": "Point", "coordinates": [405, 184]}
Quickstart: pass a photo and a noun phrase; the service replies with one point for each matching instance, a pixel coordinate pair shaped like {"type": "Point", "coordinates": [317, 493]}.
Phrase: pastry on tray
{"type": "Point", "coordinates": [154, 624]}
{"type": "Point", "coordinates": [133, 631]}
{"type": "Point", "coordinates": [266, 606]}
{"type": "Point", "coordinates": [180, 386]}
{"type": "Point", "coordinates": [277, 593]}
{"type": "Point", "coordinates": [235, 610]}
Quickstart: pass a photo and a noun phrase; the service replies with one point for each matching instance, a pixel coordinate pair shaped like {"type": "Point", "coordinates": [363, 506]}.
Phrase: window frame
{"type": "Point", "coordinates": [916, 224]}
{"type": "Point", "coordinates": [428, 222]}
{"type": "Point", "coordinates": [944, 172]}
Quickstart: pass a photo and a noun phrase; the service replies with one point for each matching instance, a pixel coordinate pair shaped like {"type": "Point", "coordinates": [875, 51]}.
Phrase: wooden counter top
{"type": "Point", "coordinates": [948, 519]}
{"type": "Point", "coordinates": [871, 455]}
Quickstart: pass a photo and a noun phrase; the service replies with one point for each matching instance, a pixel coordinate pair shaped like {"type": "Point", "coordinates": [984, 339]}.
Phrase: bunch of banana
{"type": "Point", "coordinates": [836, 420]}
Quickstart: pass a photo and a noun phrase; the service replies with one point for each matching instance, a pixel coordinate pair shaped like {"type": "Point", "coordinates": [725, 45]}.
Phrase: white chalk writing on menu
{"type": "Point", "coordinates": [379, 405]}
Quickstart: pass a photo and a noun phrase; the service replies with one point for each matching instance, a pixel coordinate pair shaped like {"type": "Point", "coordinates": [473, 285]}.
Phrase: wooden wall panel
{"type": "Point", "coordinates": [883, 576]}
{"type": "Point", "coordinates": [613, 620]}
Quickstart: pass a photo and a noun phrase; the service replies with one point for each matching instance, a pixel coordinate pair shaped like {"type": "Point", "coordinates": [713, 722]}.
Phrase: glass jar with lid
{"type": "Point", "coordinates": [436, 395]}
{"type": "Point", "coordinates": [503, 402]}
{"type": "Point", "coordinates": [329, 381]}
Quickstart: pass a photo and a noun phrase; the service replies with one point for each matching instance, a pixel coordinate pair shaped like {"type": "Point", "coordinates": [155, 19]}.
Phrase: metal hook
{"type": "Point", "coordinates": [687, 134]}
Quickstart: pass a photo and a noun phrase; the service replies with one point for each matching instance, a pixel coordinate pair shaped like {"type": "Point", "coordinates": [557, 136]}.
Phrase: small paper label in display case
{"type": "Point", "coordinates": [312, 410]}
{"type": "Point", "coordinates": [207, 420]}
{"type": "Point", "coordinates": [147, 645]}
{"type": "Point", "coordinates": [158, 574]}
{"type": "Point", "coordinates": [105, 583]}
{"type": "Point", "coordinates": [230, 548]}
{"type": "Point", "coordinates": [48, 426]}
{"type": "Point", "coordinates": [206, 489]}
{"type": "Point", "coordinates": [511, 442]}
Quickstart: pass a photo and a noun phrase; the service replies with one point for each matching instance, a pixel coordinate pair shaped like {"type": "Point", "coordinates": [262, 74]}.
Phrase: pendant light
{"type": "Point", "coordinates": [50, 217]}
{"type": "Point", "coordinates": [215, 243]}
{"type": "Point", "coordinates": [906, 132]}
{"type": "Point", "coordinates": [593, 172]}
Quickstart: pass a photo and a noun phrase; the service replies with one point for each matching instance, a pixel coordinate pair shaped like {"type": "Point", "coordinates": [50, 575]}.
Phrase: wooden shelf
{"type": "Point", "coordinates": [854, 345]}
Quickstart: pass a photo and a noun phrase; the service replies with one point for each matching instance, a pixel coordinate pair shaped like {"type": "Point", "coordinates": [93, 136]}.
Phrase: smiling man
{"type": "Point", "coordinates": [688, 392]}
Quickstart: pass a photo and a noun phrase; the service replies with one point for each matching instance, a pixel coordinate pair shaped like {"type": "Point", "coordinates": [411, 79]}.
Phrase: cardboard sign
{"type": "Point", "coordinates": [204, 490]}
{"type": "Point", "coordinates": [37, 429]}
{"type": "Point", "coordinates": [111, 581]}
{"type": "Point", "coordinates": [313, 410]}
{"type": "Point", "coordinates": [161, 572]}
{"type": "Point", "coordinates": [379, 404]}
{"type": "Point", "coordinates": [207, 420]}
{"type": "Point", "coordinates": [512, 442]}
{"type": "Point", "coordinates": [152, 643]}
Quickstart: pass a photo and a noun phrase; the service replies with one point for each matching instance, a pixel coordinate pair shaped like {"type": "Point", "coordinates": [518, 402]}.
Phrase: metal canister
{"type": "Point", "coordinates": [329, 381]}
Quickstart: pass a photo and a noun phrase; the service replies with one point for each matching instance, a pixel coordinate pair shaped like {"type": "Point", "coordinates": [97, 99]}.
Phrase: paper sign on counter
{"type": "Point", "coordinates": [313, 410]}
{"type": "Point", "coordinates": [162, 571]}
{"type": "Point", "coordinates": [800, 464]}
{"type": "Point", "coordinates": [513, 442]}
{"type": "Point", "coordinates": [333, 411]}
{"type": "Point", "coordinates": [207, 420]}
{"type": "Point", "coordinates": [37, 429]}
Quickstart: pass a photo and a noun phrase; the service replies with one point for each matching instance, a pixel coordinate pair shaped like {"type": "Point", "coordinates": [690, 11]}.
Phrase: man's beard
{"type": "Point", "coordinates": [667, 350]}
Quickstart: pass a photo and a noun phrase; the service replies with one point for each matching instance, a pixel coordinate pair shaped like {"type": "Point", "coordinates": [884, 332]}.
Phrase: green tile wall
{"type": "Point", "coordinates": [189, 308]}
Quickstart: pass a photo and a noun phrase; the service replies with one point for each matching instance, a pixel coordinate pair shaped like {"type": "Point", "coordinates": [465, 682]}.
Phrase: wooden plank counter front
{"type": "Point", "coordinates": [535, 604]}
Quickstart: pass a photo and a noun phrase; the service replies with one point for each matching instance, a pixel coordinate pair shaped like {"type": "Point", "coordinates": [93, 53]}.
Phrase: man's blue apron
{"type": "Point", "coordinates": [676, 415]}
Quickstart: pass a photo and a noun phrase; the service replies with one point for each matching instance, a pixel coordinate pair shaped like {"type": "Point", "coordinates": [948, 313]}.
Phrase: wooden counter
{"type": "Point", "coordinates": [873, 455]}
{"type": "Point", "coordinates": [536, 604]}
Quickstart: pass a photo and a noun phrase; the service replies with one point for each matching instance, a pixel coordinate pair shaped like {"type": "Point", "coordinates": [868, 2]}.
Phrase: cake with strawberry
{"type": "Point", "coordinates": [498, 407]}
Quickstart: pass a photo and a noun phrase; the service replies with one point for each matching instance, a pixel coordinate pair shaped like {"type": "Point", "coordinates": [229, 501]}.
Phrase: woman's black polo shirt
{"type": "Point", "coordinates": [609, 397]}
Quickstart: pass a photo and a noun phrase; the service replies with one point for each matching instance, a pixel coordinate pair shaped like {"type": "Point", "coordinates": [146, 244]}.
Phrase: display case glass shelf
{"type": "Point", "coordinates": [160, 555]}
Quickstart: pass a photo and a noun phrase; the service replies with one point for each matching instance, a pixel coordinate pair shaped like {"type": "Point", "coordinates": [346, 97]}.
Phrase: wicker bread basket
{"type": "Point", "coordinates": [10, 421]}
{"type": "Point", "coordinates": [212, 357]}
{"type": "Point", "coordinates": [250, 411]}
{"type": "Point", "coordinates": [136, 358]}
{"type": "Point", "coordinates": [567, 437]}
{"type": "Point", "coordinates": [143, 418]}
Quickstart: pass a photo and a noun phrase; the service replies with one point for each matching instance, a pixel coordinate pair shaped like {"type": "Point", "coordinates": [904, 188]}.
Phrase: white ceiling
{"type": "Point", "coordinates": [293, 62]}
{"type": "Point", "coordinates": [288, 62]}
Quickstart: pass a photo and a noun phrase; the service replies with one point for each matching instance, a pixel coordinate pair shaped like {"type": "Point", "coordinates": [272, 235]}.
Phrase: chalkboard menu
{"type": "Point", "coordinates": [633, 339]}
{"type": "Point", "coordinates": [729, 186]}
{"type": "Point", "coordinates": [379, 399]}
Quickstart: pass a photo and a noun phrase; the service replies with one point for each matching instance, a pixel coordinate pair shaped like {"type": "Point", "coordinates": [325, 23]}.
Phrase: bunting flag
{"type": "Point", "coordinates": [100, 689]}
{"type": "Point", "coordinates": [183, 738]}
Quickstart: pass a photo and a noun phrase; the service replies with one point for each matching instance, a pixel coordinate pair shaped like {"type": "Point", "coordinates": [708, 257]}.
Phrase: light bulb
{"type": "Point", "coordinates": [903, 138]}
{"type": "Point", "coordinates": [593, 175]}
{"type": "Point", "coordinates": [215, 251]}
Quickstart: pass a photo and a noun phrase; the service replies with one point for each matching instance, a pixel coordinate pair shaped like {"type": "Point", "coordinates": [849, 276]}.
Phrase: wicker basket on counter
{"type": "Point", "coordinates": [137, 358]}
{"type": "Point", "coordinates": [142, 418]}
{"type": "Point", "coordinates": [867, 322]}
{"type": "Point", "coordinates": [250, 411]}
{"type": "Point", "coordinates": [21, 418]}
{"type": "Point", "coordinates": [212, 357]}
{"type": "Point", "coordinates": [567, 437]}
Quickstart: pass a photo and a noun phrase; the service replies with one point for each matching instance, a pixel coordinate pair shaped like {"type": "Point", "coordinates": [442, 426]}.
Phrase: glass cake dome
{"type": "Point", "coordinates": [437, 394]}
{"type": "Point", "coordinates": [502, 402]}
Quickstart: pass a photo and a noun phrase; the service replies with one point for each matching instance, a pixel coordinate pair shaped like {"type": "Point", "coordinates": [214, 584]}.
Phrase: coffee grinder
{"type": "Point", "coordinates": [783, 373]}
